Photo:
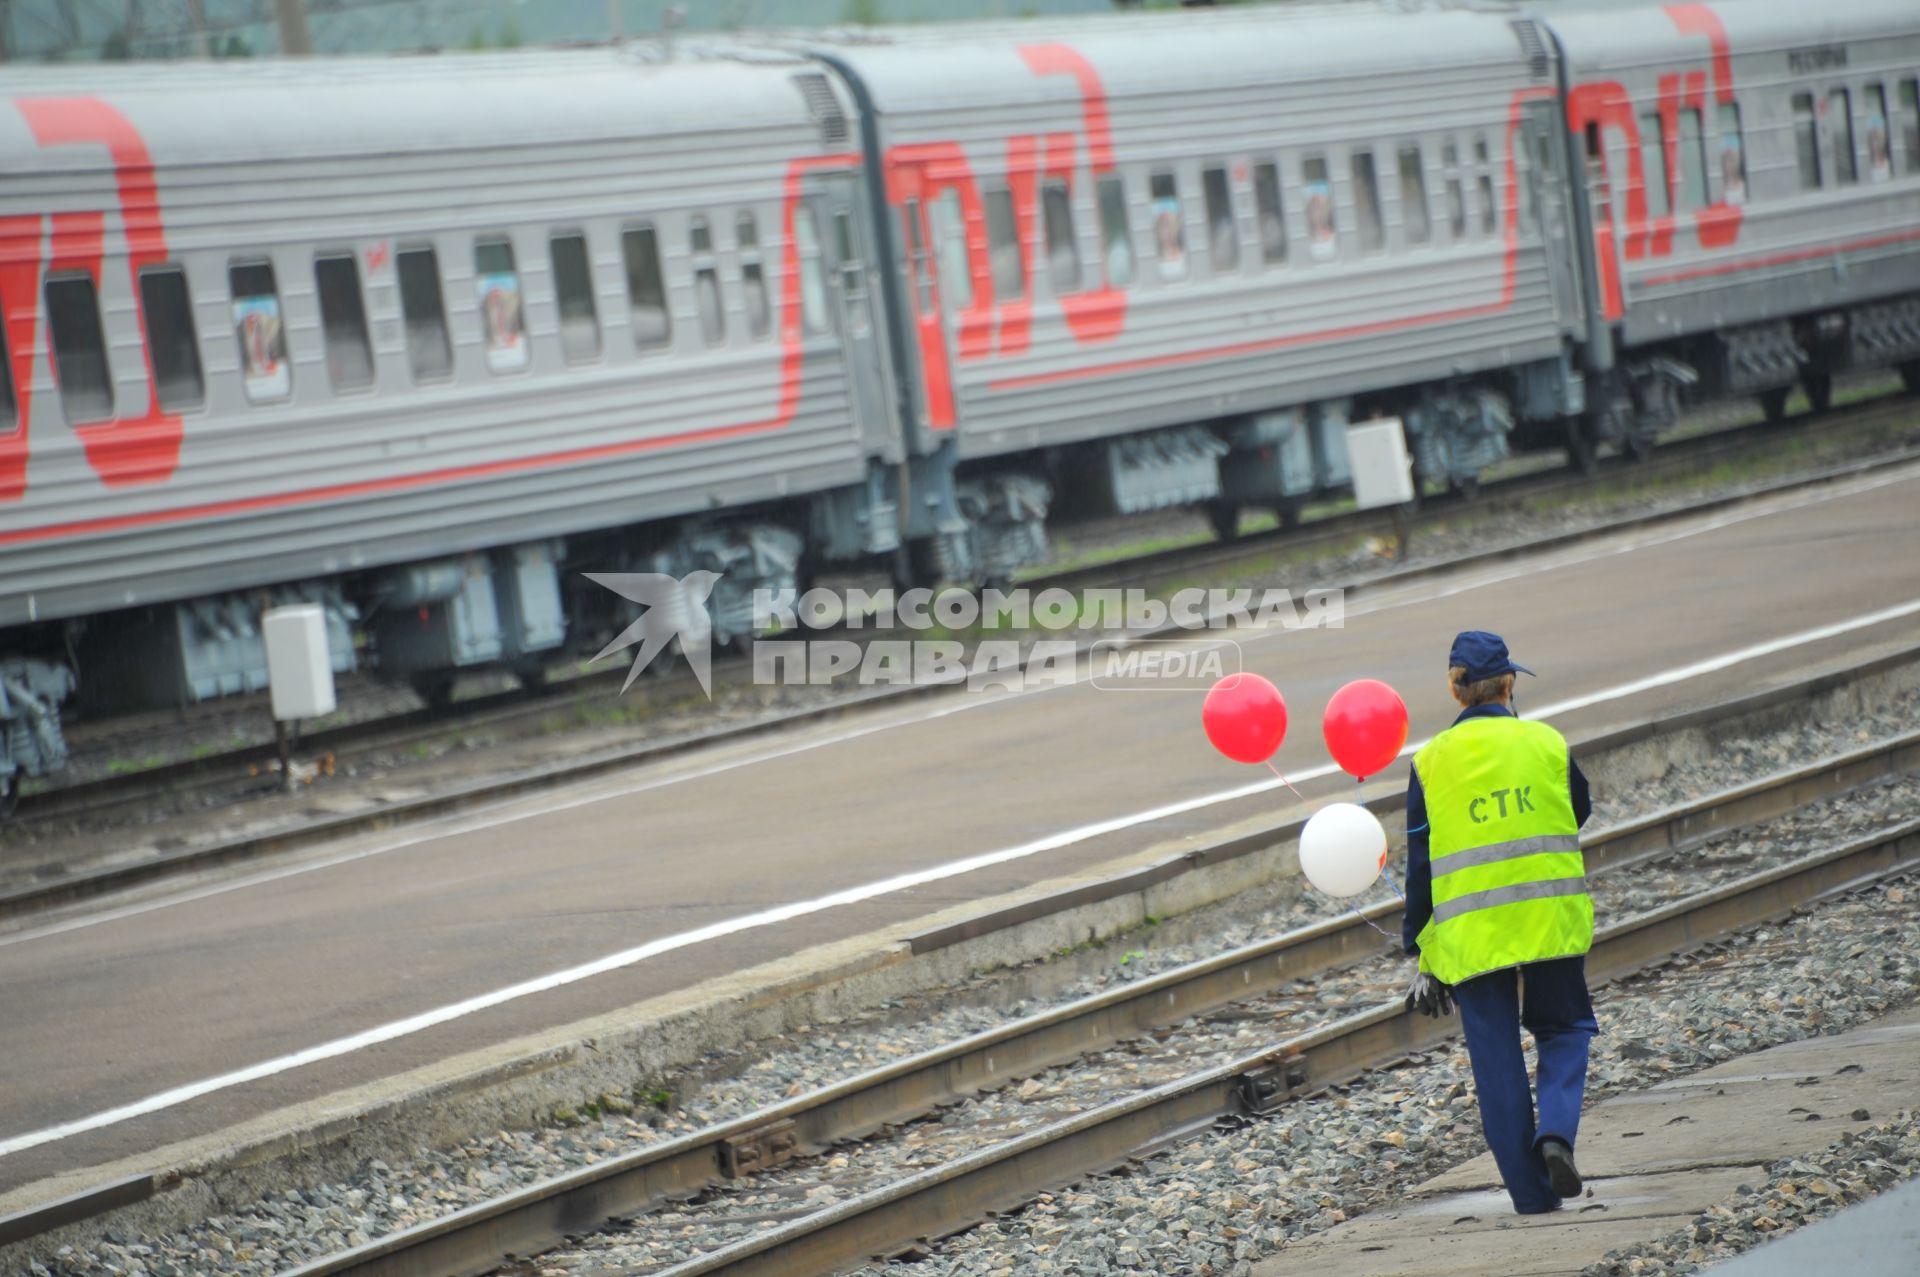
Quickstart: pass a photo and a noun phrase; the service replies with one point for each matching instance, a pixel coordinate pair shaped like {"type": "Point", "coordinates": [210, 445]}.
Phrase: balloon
{"type": "Point", "coordinates": [1365, 726]}
{"type": "Point", "coordinates": [1342, 849]}
{"type": "Point", "coordinates": [1245, 718]}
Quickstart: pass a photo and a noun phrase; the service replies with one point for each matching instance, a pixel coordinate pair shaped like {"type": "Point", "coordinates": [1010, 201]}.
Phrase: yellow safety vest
{"type": "Point", "coordinates": [1509, 883]}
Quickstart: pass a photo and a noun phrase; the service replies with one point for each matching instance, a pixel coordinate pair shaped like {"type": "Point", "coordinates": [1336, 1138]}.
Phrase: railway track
{"type": "Point", "coordinates": [1337, 979]}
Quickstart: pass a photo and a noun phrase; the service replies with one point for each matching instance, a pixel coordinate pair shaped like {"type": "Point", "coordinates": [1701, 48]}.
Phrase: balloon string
{"type": "Point", "coordinates": [1285, 781]}
{"type": "Point", "coordinates": [1393, 884]}
{"type": "Point", "coordinates": [1369, 921]}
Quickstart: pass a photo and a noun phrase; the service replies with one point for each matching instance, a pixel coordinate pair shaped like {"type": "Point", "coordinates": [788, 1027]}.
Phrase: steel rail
{"type": "Point", "coordinates": [412, 726]}
{"type": "Point", "coordinates": [474, 1240]}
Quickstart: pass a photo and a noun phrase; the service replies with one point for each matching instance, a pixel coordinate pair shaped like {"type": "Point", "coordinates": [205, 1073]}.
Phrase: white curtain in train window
{"type": "Point", "coordinates": [496, 287]}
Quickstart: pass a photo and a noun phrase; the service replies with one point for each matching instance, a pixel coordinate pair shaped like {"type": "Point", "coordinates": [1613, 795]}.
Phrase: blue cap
{"type": "Point", "coordinates": [1483, 655]}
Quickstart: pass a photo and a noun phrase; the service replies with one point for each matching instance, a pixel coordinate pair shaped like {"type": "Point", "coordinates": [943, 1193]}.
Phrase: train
{"type": "Point", "coordinates": [421, 340]}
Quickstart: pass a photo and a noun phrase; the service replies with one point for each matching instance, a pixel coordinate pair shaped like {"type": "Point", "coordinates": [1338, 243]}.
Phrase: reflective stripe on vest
{"type": "Point", "coordinates": [1509, 883]}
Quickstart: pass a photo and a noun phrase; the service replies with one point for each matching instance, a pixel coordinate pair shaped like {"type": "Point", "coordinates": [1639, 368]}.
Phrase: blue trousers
{"type": "Point", "coordinates": [1551, 1000]}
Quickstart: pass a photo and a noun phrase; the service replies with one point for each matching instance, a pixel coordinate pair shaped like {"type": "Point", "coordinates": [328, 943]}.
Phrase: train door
{"type": "Point", "coordinates": [1545, 193]}
{"type": "Point", "coordinates": [830, 230]}
{"type": "Point", "coordinates": [910, 194]}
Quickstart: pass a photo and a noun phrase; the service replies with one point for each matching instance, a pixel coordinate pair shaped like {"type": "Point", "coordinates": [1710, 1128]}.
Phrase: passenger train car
{"type": "Point", "coordinates": [423, 339]}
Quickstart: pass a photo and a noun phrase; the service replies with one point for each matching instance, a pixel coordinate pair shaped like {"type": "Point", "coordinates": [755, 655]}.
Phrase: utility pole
{"type": "Point", "coordinates": [616, 20]}
{"type": "Point", "coordinates": [197, 19]}
{"type": "Point", "coordinates": [295, 39]}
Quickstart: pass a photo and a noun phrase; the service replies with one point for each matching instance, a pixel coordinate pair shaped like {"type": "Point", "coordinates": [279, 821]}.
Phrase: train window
{"type": "Point", "coordinates": [1599, 189]}
{"type": "Point", "coordinates": [1846, 169]}
{"type": "Point", "coordinates": [1003, 247]}
{"type": "Point", "coordinates": [1910, 124]}
{"type": "Point", "coordinates": [1879, 139]}
{"type": "Point", "coordinates": [1169, 225]}
{"type": "Point", "coordinates": [1413, 196]}
{"type": "Point", "coordinates": [646, 286]}
{"type": "Point", "coordinates": [1488, 215]}
{"type": "Point", "coordinates": [1366, 202]}
{"type": "Point", "coordinates": [1063, 250]}
{"type": "Point", "coordinates": [264, 370]}
{"type": "Point", "coordinates": [950, 241]}
{"type": "Point", "coordinates": [1653, 159]}
{"type": "Point", "coordinates": [1693, 161]}
{"type": "Point", "coordinates": [79, 348]}
{"type": "Point", "coordinates": [343, 321]}
{"type": "Point", "coordinates": [1456, 194]}
{"type": "Point", "coordinates": [9, 409]}
{"type": "Point", "coordinates": [1315, 188]}
{"type": "Point", "coordinates": [1223, 234]}
{"type": "Point", "coordinates": [1116, 238]}
{"type": "Point", "coordinates": [706, 282]}
{"type": "Point", "coordinates": [172, 339]}
{"type": "Point", "coordinates": [429, 349]}
{"type": "Point", "coordinates": [1806, 140]}
{"type": "Point", "coordinates": [503, 318]}
{"type": "Point", "coordinates": [1268, 212]}
{"type": "Point", "coordinates": [573, 290]}
{"type": "Point", "coordinates": [1733, 156]}
{"type": "Point", "coordinates": [753, 276]}
{"type": "Point", "coordinates": [813, 285]}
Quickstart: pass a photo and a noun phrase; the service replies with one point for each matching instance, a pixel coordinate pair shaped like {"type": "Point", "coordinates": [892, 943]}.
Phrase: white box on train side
{"type": "Point", "coordinates": [299, 669]}
{"type": "Point", "coordinates": [1382, 470]}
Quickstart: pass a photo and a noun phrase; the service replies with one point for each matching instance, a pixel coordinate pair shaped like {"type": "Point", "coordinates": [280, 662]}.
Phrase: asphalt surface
{"type": "Point", "coordinates": [125, 1002]}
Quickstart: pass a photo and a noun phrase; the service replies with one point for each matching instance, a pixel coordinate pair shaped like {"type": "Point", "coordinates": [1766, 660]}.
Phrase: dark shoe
{"type": "Point", "coordinates": [1561, 1172]}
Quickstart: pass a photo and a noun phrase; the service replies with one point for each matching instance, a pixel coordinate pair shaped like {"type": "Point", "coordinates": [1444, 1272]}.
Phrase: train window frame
{"type": "Point", "coordinates": [703, 264]}
{"type": "Point", "coordinates": [1413, 195]}
{"type": "Point", "coordinates": [1006, 261]}
{"type": "Point", "coordinates": [1806, 141]}
{"type": "Point", "coordinates": [1116, 232]}
{"type": "Point", "coordinates": [165, 320]}
{"type": "Point", "coordinates": [1842, 136]}
{"type": "Point", "coordinates": [1879, 131]}
{"type": "Point", "coordinates": [1369, 216]}
{"type": "Point", "coordinates": [646, 277]}
{"type": "Point", "coordinates": [433, 325]}
{"type": "Point", "coordinates": [500, 304]}
{"type": "Point", "coordinates": [813, 282]}
{"type": "Point", "coordinates": [260, 332]}
{"type": "Point", "coordinates": [1733, 184]}
{"type": "Point", "coordinates": [1654, 178]}
{"type": "Point", "coordinates": [919, 257]}
{"type": "Point", "coordinates": [570, 293]}
{"type": "Point", "coordinates": [1489, 194]}
{"type": "Point", "coordinates": [1908, 98]}
{"type": "Point", "coordinates": [1456, 190]}
{"type": "Point", "coordinates": [1169, 224]}
{"type": "Point", "coordinates": [1060, 237]}
{"type": "Point", "coordinates": [344, 331]}
{"type": "Point", "coordinates": [755, 294]}
{"type": "Point", "coordinates": [9, 403]}
{"type": "Point", "coordinates": [953, 257]}
{"type": "Point", "coordinates": [1270, 212]}
{"type": "Point", "coordinates": [77, 347]}
{"type": "Point", "coordinates": [1223, 225]}
{"type": "Point", "coordinates": [1317, 198]}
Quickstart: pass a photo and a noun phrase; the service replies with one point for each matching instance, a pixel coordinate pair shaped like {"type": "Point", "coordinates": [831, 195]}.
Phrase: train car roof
{"type": "Point", "coordinates": [933, 67]}
{"type": "Point", "coordinates": [280, 109]}
{"type": "Point", "coordinates": [1599, 36]}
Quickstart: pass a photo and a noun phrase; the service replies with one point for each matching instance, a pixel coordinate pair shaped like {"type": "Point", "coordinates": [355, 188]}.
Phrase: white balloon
{"type": "Point", "coordinates": [1342, 849]}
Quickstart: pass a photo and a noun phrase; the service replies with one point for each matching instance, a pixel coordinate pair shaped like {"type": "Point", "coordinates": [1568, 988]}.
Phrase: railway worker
{"type": "Point", "coordinates": [1494, 804]}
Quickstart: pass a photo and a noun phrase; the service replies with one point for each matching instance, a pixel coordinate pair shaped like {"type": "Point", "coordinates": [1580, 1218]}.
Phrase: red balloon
{"type": "Point", "coordinates": [1365, 727]}
{"type": "Point", "coordinates": [1245, 718]}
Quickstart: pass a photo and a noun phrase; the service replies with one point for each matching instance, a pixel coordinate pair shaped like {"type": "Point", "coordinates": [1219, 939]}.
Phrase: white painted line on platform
{"type": "Point", "coordinates": [514, 810]}
{"type": "Point", "coordinates": [853, 895]}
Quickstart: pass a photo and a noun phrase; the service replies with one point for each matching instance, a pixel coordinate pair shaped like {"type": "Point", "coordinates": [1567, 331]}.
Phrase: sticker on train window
{"type": "Point", "coordinates": [1879, 140]}
{"type": "Point", "coordinates": [496, 286]}
{"type": "Point", "coordinates": [1733, 160]}
{"type": "Point", "coordinates": [264, 371]}
{"type": "Point", "coordinates": [1169, 226]}
{"type": "Point", "coordinates": [1322, 239]}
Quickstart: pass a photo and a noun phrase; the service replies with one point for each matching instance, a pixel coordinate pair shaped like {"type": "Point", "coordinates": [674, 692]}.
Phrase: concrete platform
{"type": "Point", "coordinates": [1653, 1160]}
{"type": "Point", "coordinates": [1877, 1238]}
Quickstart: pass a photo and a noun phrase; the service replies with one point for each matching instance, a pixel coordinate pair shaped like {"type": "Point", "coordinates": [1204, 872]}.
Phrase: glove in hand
{"type": "Point", "coordinates": [1429, 997]}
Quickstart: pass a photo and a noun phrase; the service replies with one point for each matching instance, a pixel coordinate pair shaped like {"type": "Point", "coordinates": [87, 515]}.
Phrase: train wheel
{"type": "Point", "coordinates": [1819, 388]}
{"type": "Point", "coordinates": [1466, 487]}
{"type": "Point", "coordinates": [1910, 376]}
{"type": "Point", "coordinates": [531, 675]}
{"type": "Point", "coordinates": [9, 796]}
{"type": "Point", "coordinates": [435, 687]}
{"type": "Point", "coordinates": [1225, 518]}
{"type": "Point", "coordinates": [1774, 403]}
